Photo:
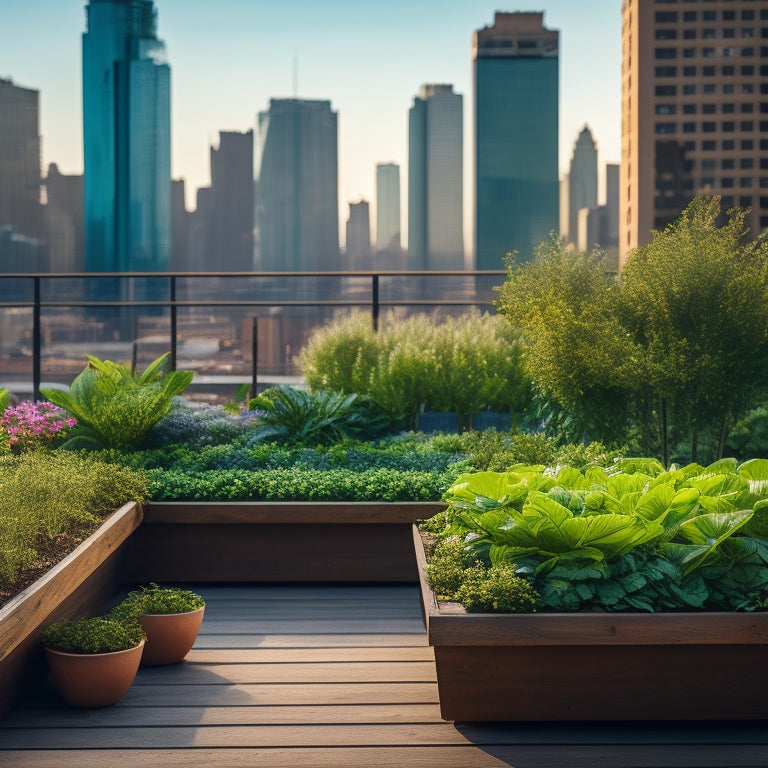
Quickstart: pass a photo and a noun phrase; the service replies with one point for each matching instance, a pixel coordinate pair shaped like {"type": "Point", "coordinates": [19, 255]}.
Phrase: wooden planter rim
{"type": "Point", "coordinates": [448, 625]}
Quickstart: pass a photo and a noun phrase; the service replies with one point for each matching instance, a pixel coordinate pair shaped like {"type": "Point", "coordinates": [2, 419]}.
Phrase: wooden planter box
{"type": "Point", "coordinates": [276, 542]}
{"type": "Point", "coordinates": [207, 542]}
{"type": "Point", "coordinates": [596, 666]}
{"type": "Point", "coordinates": [79, 585]}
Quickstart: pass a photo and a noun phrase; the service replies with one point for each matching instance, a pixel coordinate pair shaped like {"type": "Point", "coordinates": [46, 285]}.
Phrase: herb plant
{"type": "Point", "coordinates": [91, 635]}
{"type": "Point", "coordinates": [155, 599]}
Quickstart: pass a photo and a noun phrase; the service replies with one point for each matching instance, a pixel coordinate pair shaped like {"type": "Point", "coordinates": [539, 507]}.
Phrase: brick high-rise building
{"type": "Point", "coordinates": [694, 111]}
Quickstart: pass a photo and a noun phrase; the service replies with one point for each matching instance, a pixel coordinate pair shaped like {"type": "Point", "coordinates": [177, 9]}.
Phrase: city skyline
{"type": "Point", "coordinates": [367, 60]}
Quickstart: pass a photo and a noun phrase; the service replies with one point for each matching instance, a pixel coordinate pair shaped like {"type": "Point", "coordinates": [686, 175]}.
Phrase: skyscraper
{"type": "Point", "coordinates": [358, 250]}
{"type": "Point", "coordinates": [297, 208]}
{"type": "Point", "coordinates": [516, 136]}
{"type": "Point", "coordinates": [435, 179]}
{"type": "Point", "coordinates": [582, 182]}
{"type": "Point", "coordinates": [127, 139]}
{"type": "Point", "coordinates": [231, 225]}
{"type": "Point", "coordinates": [20, 160]}
{"type": "Point", "coordinates": [387, 206]}
{"type": "Point", "coordinates": [694, 111]}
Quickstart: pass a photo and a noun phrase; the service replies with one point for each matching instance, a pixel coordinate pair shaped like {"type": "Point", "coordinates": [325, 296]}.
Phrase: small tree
{"type": "Point", "coordinates": [579, 357]}
{"type": "Point", "coordinates": [696, 300]}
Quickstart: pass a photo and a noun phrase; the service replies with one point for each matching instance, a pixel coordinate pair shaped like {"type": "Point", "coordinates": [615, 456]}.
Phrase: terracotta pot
{"type": "Point", "coordinates": [94, 679]}
{"type": "Point", "coordinates": [169, 636]}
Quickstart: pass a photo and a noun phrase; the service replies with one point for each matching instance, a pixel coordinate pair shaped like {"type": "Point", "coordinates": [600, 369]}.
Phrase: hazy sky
{"type": "Point", "coordinates": [368, 57]}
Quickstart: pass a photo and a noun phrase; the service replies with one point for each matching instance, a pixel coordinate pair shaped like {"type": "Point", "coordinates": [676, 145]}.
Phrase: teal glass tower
{"type": "Point", "coordinates": [126, 139]}
{"type": "Point", "coordinates": [516, 137]}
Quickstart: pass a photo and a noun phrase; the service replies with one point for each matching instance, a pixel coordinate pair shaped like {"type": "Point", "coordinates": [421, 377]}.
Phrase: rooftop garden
{"type": "Point", "coordinates": [668, 362]}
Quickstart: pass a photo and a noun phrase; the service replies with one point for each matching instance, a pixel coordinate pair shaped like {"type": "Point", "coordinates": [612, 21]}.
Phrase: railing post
{"type": "Point", "coordinates": [174, 336]}
{"type": "Point", "coordinates": [255, 356]}
{"type": "Point", "coordinates": [375, 302]}
{"type": "Point", "coordinates": [36, 341]}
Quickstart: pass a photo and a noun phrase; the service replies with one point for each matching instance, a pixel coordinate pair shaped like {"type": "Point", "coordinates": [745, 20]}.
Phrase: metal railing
{"type": "Point", "coordinates": [123, 294]}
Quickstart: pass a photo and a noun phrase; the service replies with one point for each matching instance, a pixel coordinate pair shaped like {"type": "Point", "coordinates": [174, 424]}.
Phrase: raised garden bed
{"type": "Point", "coordinates": [596, 666]}
{"type": "Point", "coordinates": [187, 542]}
{"type": "Point", "coordinates": [80, 584]}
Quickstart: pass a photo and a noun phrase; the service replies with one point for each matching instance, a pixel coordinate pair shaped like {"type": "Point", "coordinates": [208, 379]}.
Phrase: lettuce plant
{"type": "Point", "coordinates": [116, 407]}
{"type": "Point", "coordinates": [629, 537]}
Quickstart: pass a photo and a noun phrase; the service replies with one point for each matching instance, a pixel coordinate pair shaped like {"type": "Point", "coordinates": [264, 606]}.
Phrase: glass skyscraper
{"type": "Point", "coordinates": [435, 179]}
{"type": "Point", "coordinates": [516, 137]}
{"type": "Point", "coordinates": [127, 138]}
{"type": "Point", "coordinates": [297, 199]}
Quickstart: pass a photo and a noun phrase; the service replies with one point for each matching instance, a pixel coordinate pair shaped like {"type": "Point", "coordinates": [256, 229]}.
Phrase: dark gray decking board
{"type": "Point", "coordinates": [267, 685]}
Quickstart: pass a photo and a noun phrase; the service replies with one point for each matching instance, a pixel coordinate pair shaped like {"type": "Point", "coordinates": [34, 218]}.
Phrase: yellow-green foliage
{"type": "Point", "coordinates": [464, 364]}
{"type": "Point", "coordinates": [43, 494]}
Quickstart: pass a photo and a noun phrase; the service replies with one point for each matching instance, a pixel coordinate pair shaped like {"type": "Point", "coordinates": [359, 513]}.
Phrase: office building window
{"type": "Point", "coordinates": [746, 182]}
{"type": "Point", "coordinates": [709, 145]}
{"type": "Point", "coordinates": [708, 109]}
{"type": "Point", "coordinates": [666, 53]}
{"type": "Point", "coordinates": [764, 182]}
{"type": "Point", "coordinates": [666, 34]}
{"type": "Point", "coordinates": [747, 51]}
{"type": "Point", "coordinates": [728, 144]}
{"type": "Point", "coordinates": [689, 146]}
{"type": "Point", "coordinates": [689, 53]}
{"type": "Point", "coordinates": [666, 90]}
{"type": "Point", "coordinates": [728, 108]}
{"type": "Point", "coordinates": [666, 109]}
{"type": "Point", "coordinates": [689, 71]}
{"type": "Point", "coordinates": [763, 108]}
{"type": "Point", "coordinates": [747, 144]}
{"type": "Point", "coordinates": [689, 127]}
{"type": "Point", "coordinates": [727, 164]}
{"type": "Point", "coordinates": [745, 15]}
{"type": "Point", "coordinates": [708, 127]}
{"type": "Point", "coordinates": [728, 88]}
{"type": "Point", "coordinates": [726, 183]}
{"type": "Point", "coordinates": [707, 71]}
{"type": "Point", "coordinates": [666, 17]}
{"type": "Point", "coordinates": [763, 163]}
{"type": "Point", "coordinates": [729, 70]}
{"type": "Point", "coordinates": [747, 125]}
{"type": "Point", "coordinates": [666, 72]}
{"type": "Point", "coordinates": [689, 15]}
{"type": "Point", "coordinates": [689, 109]}
{"type": "Point", "coordinates": [708, 88]}
{"type": "Point", "coordinates": [747, 70]}
{"type": "Point", "coordinates": [666, 127]}
{"type": "Point", "coordinates": [729, 126]}
{"type": "Point", "coordinates": [747, 87]}
{"type": "Point", "coordinates": [746, 163]}
{"type": "Point", "coordinates": [747, 107]}
{"type": "Point", "coordinates": [729, 15]}
{"type": "Point", "coordinates": [689, 34]}
{"type": "Point", "coordinates": [707, 165]}
{"type": "Point", "coordinates": [745, 201]}
{"type": "Point", "coordinates": [708, 34]}
{"type": "Point", "coordinates": [709, 16]}
{"type": "Point", "coordinates": [689, 90]}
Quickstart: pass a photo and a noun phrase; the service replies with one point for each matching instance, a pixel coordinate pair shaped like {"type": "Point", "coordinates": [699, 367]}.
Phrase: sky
{"type": "Point", "coordinates": [229, 57]}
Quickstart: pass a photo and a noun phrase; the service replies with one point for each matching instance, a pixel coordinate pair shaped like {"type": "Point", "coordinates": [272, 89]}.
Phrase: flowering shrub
{"type": "Point", "coordinates": [33, 425]}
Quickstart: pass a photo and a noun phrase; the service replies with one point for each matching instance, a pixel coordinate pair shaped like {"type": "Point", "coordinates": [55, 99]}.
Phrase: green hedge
{"type": "Point", "coordinates": [300, 485]}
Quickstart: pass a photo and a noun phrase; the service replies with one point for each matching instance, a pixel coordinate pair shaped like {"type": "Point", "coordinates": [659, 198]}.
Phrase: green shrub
{"type": "Point", "coordinates": [297, 417]}
{"type": "Point", "coordinates": [299, 485]}
{"type": "Point", "coordinates": [155, 599]}
{"type": "Point", "coordinates": [464, 365]}
{"type": "Point", "coordinates": [48, 494]}
{"type": "Point", "coordinates": [194, 425]}
{"type": "Point", "coordinates": [116, 407]}
{"type": "Point", "coordinates": [496, 590]}
{"type": "Point", "coordinates": [91, 635]}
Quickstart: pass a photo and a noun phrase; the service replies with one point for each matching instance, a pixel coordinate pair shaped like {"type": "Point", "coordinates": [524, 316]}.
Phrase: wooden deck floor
{"type": "Point", "coordinates": [330, 676]}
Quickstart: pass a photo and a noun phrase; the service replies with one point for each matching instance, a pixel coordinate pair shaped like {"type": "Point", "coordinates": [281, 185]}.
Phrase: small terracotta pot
{"type": "Point", "coordinates": [93, 679]}
{"type": "Point", "coordinates": [170, 636]}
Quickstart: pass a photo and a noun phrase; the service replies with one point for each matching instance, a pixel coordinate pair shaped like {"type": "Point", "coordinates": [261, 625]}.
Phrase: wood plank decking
{"type": "Point", "coordinates": [331, 676]}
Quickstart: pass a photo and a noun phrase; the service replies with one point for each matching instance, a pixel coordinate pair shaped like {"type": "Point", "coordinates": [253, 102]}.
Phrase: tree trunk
{"type": "Point", "coordinates": [723, 436]}
{"type": "Point", "coordinates": [694, 446]}
{"type": "Point", "coordinates": [664, 443]}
